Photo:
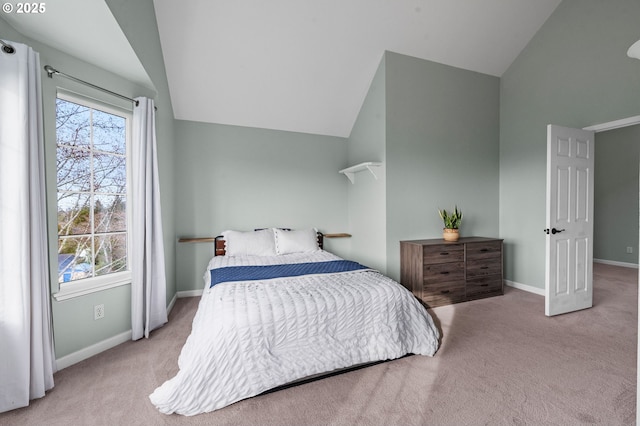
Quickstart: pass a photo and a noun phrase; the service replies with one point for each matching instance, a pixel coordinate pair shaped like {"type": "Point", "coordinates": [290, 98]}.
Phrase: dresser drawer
{"type": "Point", "coordinates": [484, 286]}
{"type": "Point", "coordinates": [484, 250]}
{"type": "Point", "coordinates": [443, 293]}
{"type": "Point", "coordinates": [443, 253]}
{"type": "Point", "coordinates": [481, 267]}
{"type": "Point", "coordinates": [441, 272]}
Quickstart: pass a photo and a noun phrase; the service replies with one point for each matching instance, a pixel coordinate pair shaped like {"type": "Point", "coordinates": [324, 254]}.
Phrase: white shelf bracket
{"type": "Point", "coordinates": [350, 172]}
{"type": "Point", "coordinates": [351, 176]}
{"type": "Point", "coordinates": [372, 172]}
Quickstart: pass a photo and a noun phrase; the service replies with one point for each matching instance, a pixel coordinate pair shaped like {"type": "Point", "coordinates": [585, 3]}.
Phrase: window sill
{"type": "Point", "coordinates": [92, 285]}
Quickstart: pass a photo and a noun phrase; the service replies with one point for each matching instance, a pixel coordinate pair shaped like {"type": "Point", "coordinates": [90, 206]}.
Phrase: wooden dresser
{"type": "Point", "coordinates": [441, 273]}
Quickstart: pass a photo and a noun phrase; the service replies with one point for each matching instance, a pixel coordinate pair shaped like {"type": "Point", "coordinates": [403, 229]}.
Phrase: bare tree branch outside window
{"type": "Point", "coordinates": [92, 197]}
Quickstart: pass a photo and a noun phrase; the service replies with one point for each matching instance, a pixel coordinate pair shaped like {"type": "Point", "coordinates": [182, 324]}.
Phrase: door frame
{"type": "Point", "coordinates": [616, 124]}
{"type": "Point", "coordinates": [611, 125]}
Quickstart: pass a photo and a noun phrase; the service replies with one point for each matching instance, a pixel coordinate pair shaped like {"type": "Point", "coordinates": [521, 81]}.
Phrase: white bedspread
{"type": "Point", "coordinates": [252, 336]}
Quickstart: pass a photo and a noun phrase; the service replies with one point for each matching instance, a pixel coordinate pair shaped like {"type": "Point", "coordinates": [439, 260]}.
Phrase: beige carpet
{"type": "Point", "coordinates": [501, 362]}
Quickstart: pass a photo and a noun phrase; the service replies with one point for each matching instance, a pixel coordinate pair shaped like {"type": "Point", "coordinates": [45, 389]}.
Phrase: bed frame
{"type": "Point", "coordinates": [220, 243]}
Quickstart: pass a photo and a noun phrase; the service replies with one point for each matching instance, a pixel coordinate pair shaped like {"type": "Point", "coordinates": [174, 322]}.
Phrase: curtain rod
{"type": "Point", "coordinates": [51, 71]}
{"type": "Point", "coordinates": [7, 48]}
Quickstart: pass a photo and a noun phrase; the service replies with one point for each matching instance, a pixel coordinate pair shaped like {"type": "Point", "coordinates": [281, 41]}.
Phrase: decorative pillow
{"type": "Point", "coordinates": [251, 243]}
{"type": "Point", "coordinates": [300, 241]}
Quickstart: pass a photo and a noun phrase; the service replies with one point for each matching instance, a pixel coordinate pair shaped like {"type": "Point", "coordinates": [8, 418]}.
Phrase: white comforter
{"type": "Point", "coordinates": [252, 336]}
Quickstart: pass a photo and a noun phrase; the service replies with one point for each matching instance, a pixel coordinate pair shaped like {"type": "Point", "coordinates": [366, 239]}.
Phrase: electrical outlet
{"type": "Point", "coordinates": [629, 249]}
{"type": "Point", "coordinates": [98, 311]}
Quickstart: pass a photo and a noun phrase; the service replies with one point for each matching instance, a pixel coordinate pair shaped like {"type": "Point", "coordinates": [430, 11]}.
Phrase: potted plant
{"type": "Point", "coordinates": [452, 221]}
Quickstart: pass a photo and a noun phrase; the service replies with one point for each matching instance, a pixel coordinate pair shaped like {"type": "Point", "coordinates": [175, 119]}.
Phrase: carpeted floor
{"type": "Point", "coordinates": [501, 362]}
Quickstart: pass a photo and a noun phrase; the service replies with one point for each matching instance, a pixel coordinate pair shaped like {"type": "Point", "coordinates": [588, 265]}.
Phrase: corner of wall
{"type": "Point", "coordinates": [367, 195]}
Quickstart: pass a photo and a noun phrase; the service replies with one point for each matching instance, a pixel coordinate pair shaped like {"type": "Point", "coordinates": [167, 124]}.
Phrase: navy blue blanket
{"type": "Point", "coordinates": [249, 273]}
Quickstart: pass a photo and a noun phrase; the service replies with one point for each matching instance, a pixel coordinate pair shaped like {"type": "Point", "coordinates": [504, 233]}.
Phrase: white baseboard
{"type": "Point", "coordinates": [189, 293]}
{"type": "Point", "coordinates": [529, 288]}
{"type": "Point", "coordinates": [95, 349]}
{"type": "Point", "coordinates": [540, 291]}
{"type": "Point", "coordinates": [173, 302]}
{"type": "Point", "coordinates": [82, 354]}
{"type": "Point", "coordinates": [616, 263]}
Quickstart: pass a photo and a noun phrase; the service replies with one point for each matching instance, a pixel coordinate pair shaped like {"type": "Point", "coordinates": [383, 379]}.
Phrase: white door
{"type": "Point", "coordinates": [569, 245]}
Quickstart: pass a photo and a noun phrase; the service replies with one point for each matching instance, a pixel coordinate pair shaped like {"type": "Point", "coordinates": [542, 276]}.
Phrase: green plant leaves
{"type": "Point", "coordinates": [452, 220]}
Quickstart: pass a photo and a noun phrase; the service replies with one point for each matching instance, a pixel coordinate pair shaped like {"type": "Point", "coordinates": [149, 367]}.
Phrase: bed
{"type": "Point", "coordinates": [277, 308]}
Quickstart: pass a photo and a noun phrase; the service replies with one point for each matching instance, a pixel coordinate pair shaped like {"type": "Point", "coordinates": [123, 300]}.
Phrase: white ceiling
{"type": "Point", "coordinates": [306, 65]}
{"type": "Point", "coordinates": [85, 29]}
{"type": "Point", "coordinates": [296, 65]}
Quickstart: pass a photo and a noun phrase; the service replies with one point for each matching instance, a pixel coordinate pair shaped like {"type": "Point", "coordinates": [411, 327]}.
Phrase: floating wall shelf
{"type": "Point", "coordinates": [350, 172]}
{"type": "Point", "coordinates": [196, 240]}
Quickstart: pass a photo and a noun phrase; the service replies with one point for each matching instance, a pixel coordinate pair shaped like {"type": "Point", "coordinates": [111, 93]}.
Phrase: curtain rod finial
{"type": "Point", "coordinates": [50, 70]}
{"type": "Point", "coordinates": [7, 48]}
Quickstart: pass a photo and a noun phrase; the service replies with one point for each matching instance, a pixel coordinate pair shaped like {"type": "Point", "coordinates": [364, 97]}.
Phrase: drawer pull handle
{"type": "Point", "coordinates": [444, 272]}
{"type": "Point", "coordinates": [484, 249]}
{"type": "Point", "coordinates": [444, 253]}
{"type": "Point", "coordinates": [445, 291]}
{"type": "Point", "coordinates": [484, 285]}
{"type": "Point", "coordinates": [484, 267]}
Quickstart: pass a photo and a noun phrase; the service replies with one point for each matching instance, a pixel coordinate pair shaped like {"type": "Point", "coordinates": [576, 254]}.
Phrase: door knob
{"type": "Point", "coordinates": [553, 231]}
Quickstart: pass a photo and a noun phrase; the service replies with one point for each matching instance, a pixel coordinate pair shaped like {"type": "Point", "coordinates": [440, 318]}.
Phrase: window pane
{"type": "Point", "coordinates": [110, 173]}
{"type": "Point", "coordinates": [109, 132]}
{"type": "Point", "coordinates": [110, 213]}
{"type": "Point", "coordinates": [91, 179]}
{"type": "Point", "coordinates": [74, 169]}
{"type": "Point", "coordinates": [74, 214]}
{"type": "Point", "coordinates": [73, 124]}
{"type": "Point", "coordinates": [74, 258]}
{"type": "Point", "coordinates": [111, 254]}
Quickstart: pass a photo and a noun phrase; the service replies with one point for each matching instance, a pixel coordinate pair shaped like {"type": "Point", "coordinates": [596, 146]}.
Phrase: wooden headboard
{"type": "Point", "coordinates": [220, 242]}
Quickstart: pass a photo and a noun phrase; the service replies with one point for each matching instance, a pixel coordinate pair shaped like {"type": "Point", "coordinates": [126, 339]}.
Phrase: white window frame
{"type": "Point", "coordinates": [85, 286]}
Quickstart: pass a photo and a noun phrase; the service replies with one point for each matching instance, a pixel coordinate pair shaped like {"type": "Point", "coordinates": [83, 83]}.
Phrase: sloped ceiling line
{"type": "Point", "coordinates": [306, 66]}
{"type": "Point", "coordinates": [294, 65]}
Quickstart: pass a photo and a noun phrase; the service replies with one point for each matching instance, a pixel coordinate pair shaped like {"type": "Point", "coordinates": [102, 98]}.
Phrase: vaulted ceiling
{"type": "Point", "coordinates": [295, 65]}
{"type": "Point", "coordinates": [306, 65]}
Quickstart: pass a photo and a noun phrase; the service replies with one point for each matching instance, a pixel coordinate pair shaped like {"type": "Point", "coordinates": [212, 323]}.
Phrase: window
{"type": "Point", "coordinates": [91, 142]}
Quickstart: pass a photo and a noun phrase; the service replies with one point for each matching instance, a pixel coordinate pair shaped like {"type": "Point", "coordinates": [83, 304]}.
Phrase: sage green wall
{"type": "Point", "coordinates": [137, 20]}
{"type": "Point", "coordinates": [73, 323]}
{"type": "Point", "coordinates": [7, 32]}
{"type": "Point", "coordinates": [615, 224]}
{"type": "Point", "coordinates": [74, 327]}
{"type": "Point", "coordinates": [574, 72]}
{"type": "Point", "coordinates": [442, 133]}
{"type": "Point", "coordinates": [233, 177]}
{"type": "Point", "coordinates": [367, 196]}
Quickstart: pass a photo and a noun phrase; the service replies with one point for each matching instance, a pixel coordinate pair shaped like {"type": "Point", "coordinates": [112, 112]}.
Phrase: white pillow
{"type": "Point", "coordinates": [300, 241]}
{"type": "Point", "coordinates": [251, 243]}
